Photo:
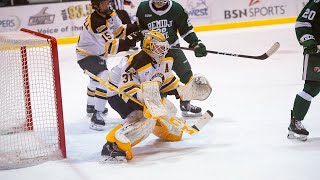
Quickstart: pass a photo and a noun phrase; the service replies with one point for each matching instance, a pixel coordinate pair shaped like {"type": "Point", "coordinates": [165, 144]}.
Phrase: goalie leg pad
{"type": "Point", "coordinates": [167, 131]}
{"type": "Point", "coordinates": [198, 88]}
{"type": "Point", "coordinates": [170, 107]}
{"type": "Point", "coordinates": [129, 134]}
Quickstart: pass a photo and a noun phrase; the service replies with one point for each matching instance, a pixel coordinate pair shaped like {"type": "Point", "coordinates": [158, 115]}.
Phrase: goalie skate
{"type": "Point", "coordinates": [113, 160]}
{"type": "Point", "coordinates": [112, 154]}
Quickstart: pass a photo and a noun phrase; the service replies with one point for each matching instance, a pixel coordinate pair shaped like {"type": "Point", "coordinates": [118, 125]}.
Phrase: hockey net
{"type": "Point", "coordinates": [31, 118]}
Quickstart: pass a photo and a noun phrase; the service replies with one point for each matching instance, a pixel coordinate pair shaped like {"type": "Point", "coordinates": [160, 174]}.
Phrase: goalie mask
{"type": "Point", "coordinates": [101, 6]}
{"type": "Point", "coordinates": [159, 3]}
{"type": "Point", "coordinates": [156, 45]}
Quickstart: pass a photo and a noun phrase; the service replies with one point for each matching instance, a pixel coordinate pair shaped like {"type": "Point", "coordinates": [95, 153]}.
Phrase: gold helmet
{"type": "Point", "coordinates": [156, 45]}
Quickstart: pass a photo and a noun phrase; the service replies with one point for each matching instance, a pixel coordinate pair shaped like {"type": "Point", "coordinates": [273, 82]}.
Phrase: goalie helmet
{"type": "Point", "coordinates": [97, 5]}
{"type": "Point", "coordinates": [160, 3]}
{"type": "Point", "coordinates": [156, 45]}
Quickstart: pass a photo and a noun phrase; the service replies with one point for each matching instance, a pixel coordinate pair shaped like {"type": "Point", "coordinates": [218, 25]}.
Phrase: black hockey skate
{"type": "Point", "coordinates": [296, 129]}
{"type": "Point", "coordinates": [189, 110]}
{"type": "Point", "coordinates": [97, 121]}
{"type": "Point", "coordinates": [112, 154]}
{"type": "Point", "coordinates": [90, 110]}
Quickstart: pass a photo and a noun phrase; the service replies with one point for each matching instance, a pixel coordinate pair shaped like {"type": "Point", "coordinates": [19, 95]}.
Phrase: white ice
{"type": "Point", "coordinates": [246, 139]}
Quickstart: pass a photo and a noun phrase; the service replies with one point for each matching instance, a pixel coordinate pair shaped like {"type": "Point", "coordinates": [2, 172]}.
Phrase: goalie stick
{"type": "Point", "coordinates": [201, 122]}
{"type": "Point", "coordinates": [264, 56]}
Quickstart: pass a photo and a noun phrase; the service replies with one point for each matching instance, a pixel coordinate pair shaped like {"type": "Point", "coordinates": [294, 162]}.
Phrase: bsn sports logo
{"type": "Point", "coordinates": [254, 10]}
{"type": "Point", "coordinates": [197, 8]}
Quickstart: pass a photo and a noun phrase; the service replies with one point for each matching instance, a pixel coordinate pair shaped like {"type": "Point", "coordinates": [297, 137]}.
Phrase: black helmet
{"type": "Point", "coordinates": [95, 5]}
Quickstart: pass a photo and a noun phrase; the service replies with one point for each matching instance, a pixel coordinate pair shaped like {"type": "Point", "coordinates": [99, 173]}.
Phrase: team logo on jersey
{"type": "Point", "coordinates": [316, 69]}
{"type": "Point", "coordinates": [148, 15]}
{"type": "Point", "coordinates": [101, 28]}
{"type": "Point", "coordinates": [160, 75]}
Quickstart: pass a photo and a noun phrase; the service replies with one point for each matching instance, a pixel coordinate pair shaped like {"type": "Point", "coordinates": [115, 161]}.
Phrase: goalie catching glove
{"type": "Point", "coordinates": [198, 88]}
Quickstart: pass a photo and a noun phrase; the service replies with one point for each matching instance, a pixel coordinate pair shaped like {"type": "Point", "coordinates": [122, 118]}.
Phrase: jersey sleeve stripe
{"type": "Point", "coordinates": [171, 80]}
{"type": "Point", "coordinates": [187, 33]}
{"type": "Point", "coordinates": [144, 68]}
{"type": "Point", "coordinates": [302, 24]}
{"type": "Point", "coordinates": [83, 52]}
{"type": "Point", "coordinates": [119, 32]}
{"type": "Point", "coordinates": [168, 59]}
{"type": "Point", "coordinates": [171, 86]}
{"type": "Point", "coordinates": [89, 22]}
{"type": "Point", "coordinates": [115, 45]}
{"type": "Point", "coordinates": [128, 86]}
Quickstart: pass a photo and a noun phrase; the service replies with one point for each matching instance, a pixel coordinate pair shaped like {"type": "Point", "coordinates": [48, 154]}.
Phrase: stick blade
{"type": "Point", "coordinates": [203, 120]}
{"type": "Point", "coordinates": [273, 49]}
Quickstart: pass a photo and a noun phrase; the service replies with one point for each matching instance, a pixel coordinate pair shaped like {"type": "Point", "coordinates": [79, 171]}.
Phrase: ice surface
{"type": "Point", "coordinates": [246, 139]}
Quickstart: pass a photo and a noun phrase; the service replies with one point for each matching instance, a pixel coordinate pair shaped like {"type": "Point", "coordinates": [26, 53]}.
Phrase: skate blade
{"type": "Point", "coordinates": [187, 114]}
{"type": "Point", "coordinates": [292, 135]}
{"type": "Point", "coordinates": [96, 127]}
{"type": "Point", "coordinates": [103, 114]}
{"type": "Point", "coordinates": [89, 114]}
{"type": "Point", "coordinates": [113, 160]}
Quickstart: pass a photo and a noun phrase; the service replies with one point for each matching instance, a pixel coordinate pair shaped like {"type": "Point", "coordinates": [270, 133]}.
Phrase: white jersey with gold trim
{"type": "Point", "coordinates": [138, 68]}
{"type": "Point", "coordinates": [100, 36]}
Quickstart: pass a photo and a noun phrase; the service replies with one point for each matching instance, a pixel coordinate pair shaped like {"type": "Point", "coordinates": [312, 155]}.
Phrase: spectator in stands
{"type": "Point", "coordinates": [118, 6]}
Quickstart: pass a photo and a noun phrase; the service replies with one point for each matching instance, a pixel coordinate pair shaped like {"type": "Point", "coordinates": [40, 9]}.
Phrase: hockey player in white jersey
{"type": "Point", "coordinates": [103, 34]}
{"type": "Point", "coordinates": [143, 76]}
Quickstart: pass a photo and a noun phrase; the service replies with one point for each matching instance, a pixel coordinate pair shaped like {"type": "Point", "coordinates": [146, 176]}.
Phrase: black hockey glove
{"type": "Point", "coordinates": [310, 46]}
{"type": "Point", "coordinates": [133, 38]}
{"type": "Point", "coordinates": [199, 49]}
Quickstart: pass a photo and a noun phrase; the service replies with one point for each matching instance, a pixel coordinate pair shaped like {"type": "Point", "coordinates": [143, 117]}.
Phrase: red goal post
{"type": "Point", "coordinates": [31, 118]}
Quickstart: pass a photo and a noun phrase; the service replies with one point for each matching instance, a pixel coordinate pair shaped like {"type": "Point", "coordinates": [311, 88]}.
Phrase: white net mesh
{"type": "Point", "coordinates": [29, 129]}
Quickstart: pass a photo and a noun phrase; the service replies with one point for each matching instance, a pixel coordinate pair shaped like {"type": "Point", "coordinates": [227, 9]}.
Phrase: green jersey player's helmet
{"type": "Point", "coordinates": [159, 3]}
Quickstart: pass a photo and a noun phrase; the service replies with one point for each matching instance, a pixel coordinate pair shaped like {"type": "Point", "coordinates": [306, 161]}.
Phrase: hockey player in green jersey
{"type": "Point", "coordinates": [308, 34]}
{"type": "Point", "coordinates": [169, 18]}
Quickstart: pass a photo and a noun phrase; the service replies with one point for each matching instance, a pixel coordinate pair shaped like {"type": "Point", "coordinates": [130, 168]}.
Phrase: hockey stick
{"type": "Point", "coordinates": [264, 56]}
{"type": "Point", "coordinates": [201, 122]}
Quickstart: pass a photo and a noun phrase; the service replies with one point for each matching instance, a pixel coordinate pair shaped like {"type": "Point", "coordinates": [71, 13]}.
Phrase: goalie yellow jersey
{"type": "Point", "coordinates": [100, 36]}
{"type": "Point", "coordinates": [138, 68]}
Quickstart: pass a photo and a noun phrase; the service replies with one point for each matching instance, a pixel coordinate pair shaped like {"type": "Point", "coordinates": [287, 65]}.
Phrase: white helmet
{"type": "Point", "coordinates": [160, 3]}
{"type": "Point", "coordinates": [156, 45]}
